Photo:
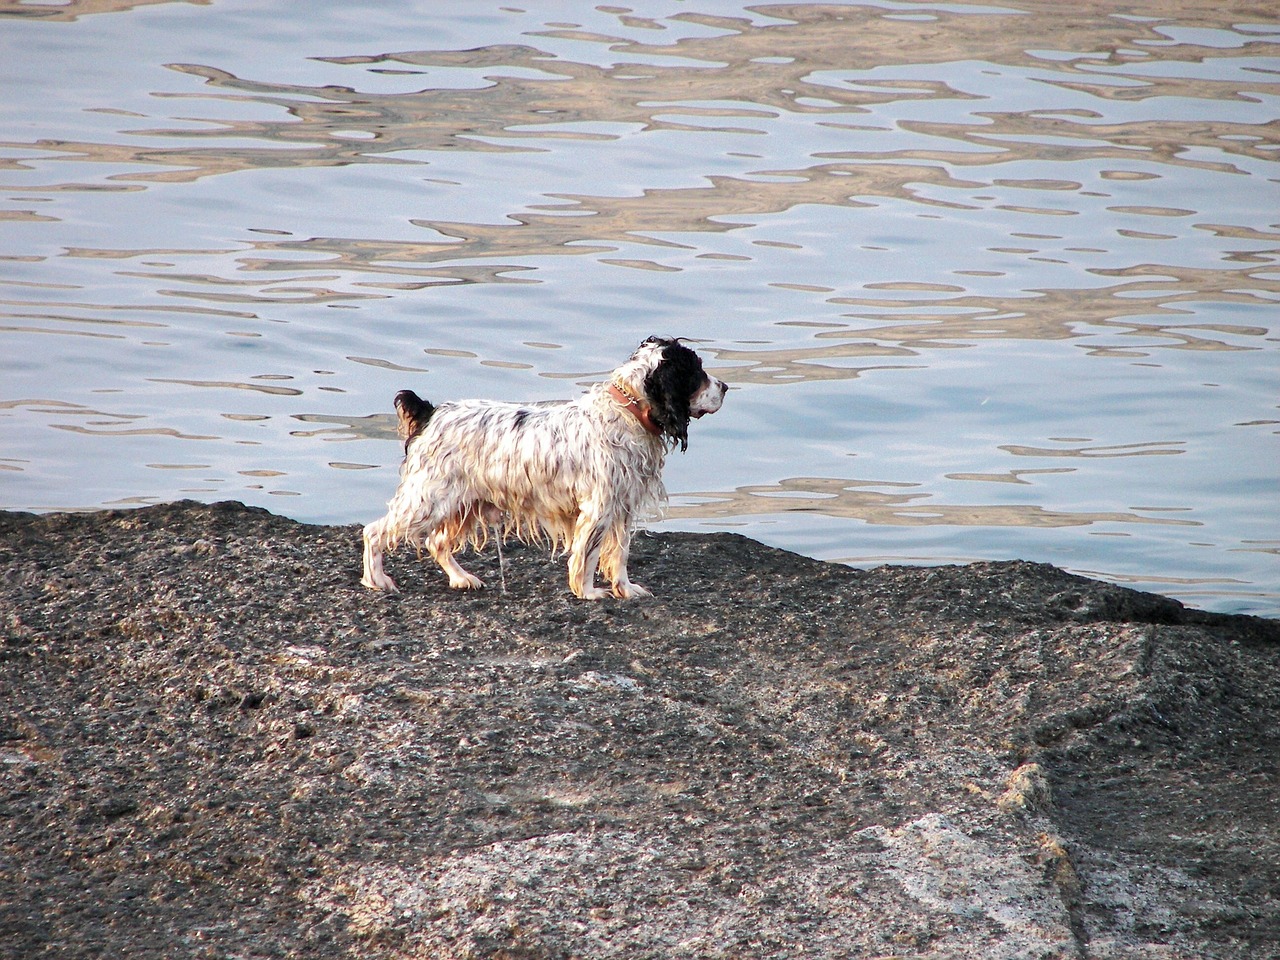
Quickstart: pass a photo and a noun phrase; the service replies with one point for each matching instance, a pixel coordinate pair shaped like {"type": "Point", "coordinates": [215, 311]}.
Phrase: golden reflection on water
{"type": "Point", "coordinates": [67, 10]}
{"type": "Point", "coordinates": [802, 60]}
{"type": "Point", "coordinates": [858, 500]}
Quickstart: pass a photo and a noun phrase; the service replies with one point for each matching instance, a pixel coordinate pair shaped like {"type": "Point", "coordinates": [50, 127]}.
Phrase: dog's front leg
{"type": "Point", "coordinates": [584, 555]}
{"type": "Point", "coordinates": [441, 544]}
{"type": "Point", "coordinates": [613, 563]}
{"type": "Point", "coordinates": [375, 577]}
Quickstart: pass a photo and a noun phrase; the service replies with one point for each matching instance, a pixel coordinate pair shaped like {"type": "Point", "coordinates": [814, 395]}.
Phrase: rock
{"type": "Point", "coordinates": [215, 742]}
{"type": "Point", "coordinates": [1027, 791]}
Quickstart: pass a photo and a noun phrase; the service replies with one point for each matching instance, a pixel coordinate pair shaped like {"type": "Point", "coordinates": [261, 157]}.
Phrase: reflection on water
{"type": "Point", "coordinates": [1018, 261]}
{"type": "Point", "coordinates": [856, 500]}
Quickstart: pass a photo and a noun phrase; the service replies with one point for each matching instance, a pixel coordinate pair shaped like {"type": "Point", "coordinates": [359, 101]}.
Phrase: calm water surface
{"type": "Point", "coordinates": [989, 281]}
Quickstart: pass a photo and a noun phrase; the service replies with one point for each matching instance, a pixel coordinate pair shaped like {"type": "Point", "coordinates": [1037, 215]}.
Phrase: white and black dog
{"type": "Point", "coordinates": [575, 474]}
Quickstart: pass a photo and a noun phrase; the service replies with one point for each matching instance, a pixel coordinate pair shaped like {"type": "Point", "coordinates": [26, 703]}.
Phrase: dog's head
{"type": "Point", "coordinates": [669, 378]}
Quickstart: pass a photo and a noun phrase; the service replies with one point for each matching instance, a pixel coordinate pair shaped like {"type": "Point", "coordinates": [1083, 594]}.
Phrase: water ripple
{"type": "Point", "coordinates": [1019, 261]}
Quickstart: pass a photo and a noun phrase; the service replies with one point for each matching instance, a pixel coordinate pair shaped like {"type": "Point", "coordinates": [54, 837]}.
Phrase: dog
{"type": "Point", "coordinates": [575, 474]}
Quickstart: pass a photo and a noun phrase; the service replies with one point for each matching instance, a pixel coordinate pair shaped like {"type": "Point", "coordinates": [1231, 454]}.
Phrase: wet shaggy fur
{"type": "Point", "coordinates": [576, 474]}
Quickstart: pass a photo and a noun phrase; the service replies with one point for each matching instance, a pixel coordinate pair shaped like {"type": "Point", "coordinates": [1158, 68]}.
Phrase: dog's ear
{"type": "Point", "coordinates": [412, 415]}
{"type": "Point", "coordinates": [670, 386]}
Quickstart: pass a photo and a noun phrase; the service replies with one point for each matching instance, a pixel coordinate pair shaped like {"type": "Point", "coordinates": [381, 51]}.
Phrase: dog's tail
{"type": "Point", "coordinates": [412, 415]}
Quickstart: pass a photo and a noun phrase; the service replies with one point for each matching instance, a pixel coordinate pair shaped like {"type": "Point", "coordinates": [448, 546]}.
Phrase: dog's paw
{"type": "Point", "coordinates": [380, 582]}
{"type": "Point", "coordinates": [630, 591]}
{"type": "Point", "coordinates": [466, 581]}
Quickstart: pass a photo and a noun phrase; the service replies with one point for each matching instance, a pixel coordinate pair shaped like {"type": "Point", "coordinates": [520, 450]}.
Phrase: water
{"type": "Point", "coordinates": [988, 281]}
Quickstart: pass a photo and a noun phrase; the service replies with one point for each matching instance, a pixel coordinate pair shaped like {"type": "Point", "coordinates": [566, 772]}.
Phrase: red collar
{"type": "Point", "coordinates": [638, 410]}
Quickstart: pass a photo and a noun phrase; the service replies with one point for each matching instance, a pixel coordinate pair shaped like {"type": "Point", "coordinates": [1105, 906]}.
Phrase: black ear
{"type": "Point", "coordinates": [412, 415]}
{"type": "Point", "coordinates": [670, 386]}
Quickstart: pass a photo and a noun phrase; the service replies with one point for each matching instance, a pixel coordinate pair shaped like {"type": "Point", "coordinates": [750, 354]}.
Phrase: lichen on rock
{"type": "Point", "coordinates": [214, 742]}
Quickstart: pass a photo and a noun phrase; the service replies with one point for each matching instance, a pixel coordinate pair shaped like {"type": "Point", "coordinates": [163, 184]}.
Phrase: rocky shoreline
{"type": "Point", "coordinates": [215, 743]}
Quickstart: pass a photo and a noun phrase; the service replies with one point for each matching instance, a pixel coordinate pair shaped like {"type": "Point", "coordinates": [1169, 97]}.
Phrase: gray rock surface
{"type": "Point", "coordinates": [215, 743]}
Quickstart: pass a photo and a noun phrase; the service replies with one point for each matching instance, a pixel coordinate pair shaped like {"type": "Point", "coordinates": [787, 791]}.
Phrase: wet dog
{"type": "Point", "coordinates": [576, 475]}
